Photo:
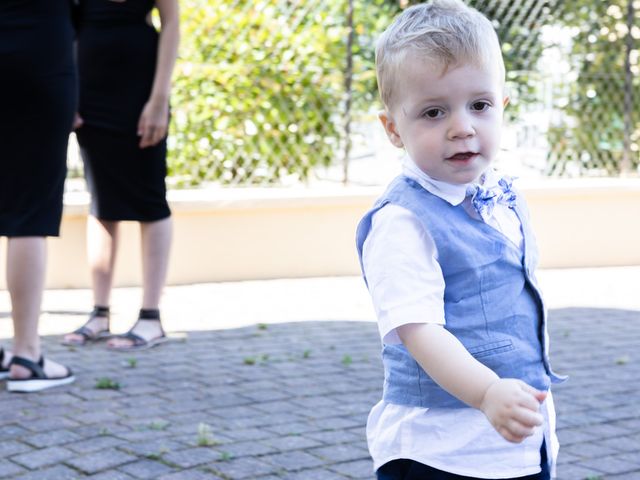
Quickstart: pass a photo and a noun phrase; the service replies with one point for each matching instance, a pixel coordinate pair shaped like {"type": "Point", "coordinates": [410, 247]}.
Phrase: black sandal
{"type": "Point", "coordinates": [89, 335]}
{"type": "Point", "coordinates": [38, 380]}
{"type": "Point", "coordinates": [4, 372]}
{"type": "Point", "coordinates": [138, 342]}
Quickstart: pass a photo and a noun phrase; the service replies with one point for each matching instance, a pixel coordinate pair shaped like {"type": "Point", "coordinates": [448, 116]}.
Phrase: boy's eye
{"type": "Point", "coordinates": [433, 113]}
{"type": "Point", "coordinates": [480, 106]}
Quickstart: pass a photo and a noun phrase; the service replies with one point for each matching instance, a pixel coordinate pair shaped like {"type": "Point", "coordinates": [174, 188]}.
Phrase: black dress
{"type": "Point", "coordinates": [37, 103]}
{"type": "Point", "coordinates": [117, 52]}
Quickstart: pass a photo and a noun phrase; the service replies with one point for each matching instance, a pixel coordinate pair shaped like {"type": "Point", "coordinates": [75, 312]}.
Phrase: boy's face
{"type": "Point", "coordinates": [450, 124]}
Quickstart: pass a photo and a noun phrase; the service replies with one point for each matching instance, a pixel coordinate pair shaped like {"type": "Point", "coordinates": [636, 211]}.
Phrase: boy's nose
{"type": "Point", "coordinates": [460, 127]}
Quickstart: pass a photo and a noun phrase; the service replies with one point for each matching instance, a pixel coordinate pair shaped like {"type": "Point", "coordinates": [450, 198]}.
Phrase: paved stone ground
{"type": "Point", "coordinates": [285, 400]}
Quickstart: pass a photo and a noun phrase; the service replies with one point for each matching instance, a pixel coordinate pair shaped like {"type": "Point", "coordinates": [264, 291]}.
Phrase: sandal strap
{"type": "Point", "coordinates": [37, 369]}
{"type": "Point", "coordinates": [137, 339]}
{"type": "Point", "coordinates": [86, 332]}
{"type": "Point", "coordinates": [89, 333]}
{"type": "Point", "coordinates": [100, 312]}
{"type": "Point", "coordinates": [2, 369]}
{"type": "Point", "coordinates": [149, 314]}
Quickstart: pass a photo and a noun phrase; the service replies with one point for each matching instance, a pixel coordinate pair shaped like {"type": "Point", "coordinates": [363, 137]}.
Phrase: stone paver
{"type": "Point", "coordinates": [147, 469]}
{"type": "Point", "coordinates": [102, 460]}
{"type": "Point", "coordinates": [59, 472]}
{"type": "Point", "coordinates": [38, 458]}
{"type": "Point", "coordinates": [287, 400]}
{"type": "Point", "coordinates": [8, 469]}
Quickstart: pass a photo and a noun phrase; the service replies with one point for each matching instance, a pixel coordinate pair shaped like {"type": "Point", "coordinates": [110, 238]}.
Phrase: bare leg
{"type": "Point", "coordinates": [102, 248]}
{"type": "Point", "coordinates": [156, 243]}
{"type": "Point", "coordinates": [26, 264]}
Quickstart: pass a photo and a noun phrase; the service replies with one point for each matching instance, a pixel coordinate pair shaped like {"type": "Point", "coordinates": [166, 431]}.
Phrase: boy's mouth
{"type": "Point", "coordinates": [462, 156]}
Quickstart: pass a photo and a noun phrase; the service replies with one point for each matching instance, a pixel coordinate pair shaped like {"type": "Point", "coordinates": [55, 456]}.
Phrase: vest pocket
{"type": "Point", "coordinates": [492, 348]}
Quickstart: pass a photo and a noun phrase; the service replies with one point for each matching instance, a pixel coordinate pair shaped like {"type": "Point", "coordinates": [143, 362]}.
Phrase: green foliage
{"type": "Point", "coordinates": [249, 360]}
{"type": "Point", "coordinates": [370, 18]}
{"type": "Point", "coordinates": [106, 383]}
{"type": "Point", "coordinates": [623, 360]}
{"type": "Point", "coordinates": [253, 360]}
{"type": "Point", "coordinates": [258, 90]}
{"type": "Point", "coordinates": [593, 134]}
{"type": "Point", "coordinates": [225, 456]}
{"type": "Point", "coordinates": [205, 436]}
{"type": "Point", "coordinates": [159, 425]}
{"type": "Point", "coordinates": [259, 87]}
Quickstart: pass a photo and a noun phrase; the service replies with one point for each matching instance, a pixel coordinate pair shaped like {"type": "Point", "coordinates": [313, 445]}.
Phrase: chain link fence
{"type": "Point", "coordinates": [596, 122]}
{"type": "Point", "coordinates": [273, 92]}
{"type": "Point", "coordinates": [259, 96]}
{"type": "Point", "coordinates": [588, 136]}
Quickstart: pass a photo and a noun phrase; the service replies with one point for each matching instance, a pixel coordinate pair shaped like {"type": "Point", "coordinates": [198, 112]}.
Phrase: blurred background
{"type": "Point", "coordinates": [276, 151]}
{"type": "Point", "coordinates": [282, 92]}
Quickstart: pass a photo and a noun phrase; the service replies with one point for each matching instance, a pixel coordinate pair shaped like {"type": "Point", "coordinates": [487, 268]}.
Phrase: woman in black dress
{"type": "Point", "coordinates": [125, 77]}
{"type": "Point", "coordinates": [38, 98]}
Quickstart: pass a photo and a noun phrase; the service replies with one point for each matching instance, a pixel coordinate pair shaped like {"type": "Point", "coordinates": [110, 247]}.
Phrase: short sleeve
{"type": "Point", "coordinates": [403, 274]}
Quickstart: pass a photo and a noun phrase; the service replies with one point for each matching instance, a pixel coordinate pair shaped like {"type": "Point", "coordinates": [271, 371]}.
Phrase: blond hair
{"type": "Point", "coordinates": [445, 32]}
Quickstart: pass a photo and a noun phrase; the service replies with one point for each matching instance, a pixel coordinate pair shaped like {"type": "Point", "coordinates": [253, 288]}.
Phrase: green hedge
{"type": "Point", "coordinates": [591, 135]}
{"type": "Point", "coordinates": [258, 91]}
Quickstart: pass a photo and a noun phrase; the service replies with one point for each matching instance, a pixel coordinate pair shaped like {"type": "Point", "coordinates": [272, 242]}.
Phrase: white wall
{"type": "Point", "coordinates": [241, 234]}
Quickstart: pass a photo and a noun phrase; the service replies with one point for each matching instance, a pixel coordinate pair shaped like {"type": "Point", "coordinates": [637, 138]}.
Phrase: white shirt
{"type": "Point", "coordinates": [407, 286]}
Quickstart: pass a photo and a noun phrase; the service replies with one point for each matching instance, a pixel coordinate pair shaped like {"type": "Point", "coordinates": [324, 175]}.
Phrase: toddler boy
{"type": "Point", "coordinates": [449, 258]}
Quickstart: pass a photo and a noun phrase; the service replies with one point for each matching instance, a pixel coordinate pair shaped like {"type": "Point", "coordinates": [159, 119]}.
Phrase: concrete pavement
{"type": "Point", "coordinates": [274, 379]}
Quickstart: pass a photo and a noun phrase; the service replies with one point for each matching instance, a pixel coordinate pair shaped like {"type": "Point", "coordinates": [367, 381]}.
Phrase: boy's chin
{"type": "Point", "coordinates": [472, 177]}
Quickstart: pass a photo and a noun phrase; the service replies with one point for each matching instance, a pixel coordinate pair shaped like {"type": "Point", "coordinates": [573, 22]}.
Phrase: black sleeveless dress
{"type": "Point", "coordinates": [37, 103]}
{"type": "Point", "coordinates": [117, 52]}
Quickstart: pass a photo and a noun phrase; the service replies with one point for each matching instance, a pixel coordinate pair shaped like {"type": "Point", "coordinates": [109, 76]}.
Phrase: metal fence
{"type": "Point", "coordinates": [595, 131]}
{"type": "Point", "coordinates": [259, 96]}
{"type": "Point", "coordinates": [276, 91]}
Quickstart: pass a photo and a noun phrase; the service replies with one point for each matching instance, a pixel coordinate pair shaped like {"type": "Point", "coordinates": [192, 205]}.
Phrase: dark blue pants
{"type": "Point", "coordinates": [411, 470]}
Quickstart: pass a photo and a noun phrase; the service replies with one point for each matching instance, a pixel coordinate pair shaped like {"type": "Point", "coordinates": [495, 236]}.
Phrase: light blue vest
{"type": "Point", "coordinates": [491, 300]}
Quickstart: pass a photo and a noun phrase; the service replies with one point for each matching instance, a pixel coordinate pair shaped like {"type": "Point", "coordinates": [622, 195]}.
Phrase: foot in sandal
{"type": "Point", "coordinates": [28, 376]}
{"type": "Point", "coordinates": [94, 330]}
{"type": "Point", "coordinates": [147, 332]}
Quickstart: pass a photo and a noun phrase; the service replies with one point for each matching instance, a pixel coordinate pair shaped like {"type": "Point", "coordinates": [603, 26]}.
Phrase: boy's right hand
{"type": "Point", "coordinates": [512, 408]}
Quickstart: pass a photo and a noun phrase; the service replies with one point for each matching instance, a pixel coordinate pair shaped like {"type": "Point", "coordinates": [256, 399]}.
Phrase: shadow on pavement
{"type": "Point", "coordinates": [290, 401]}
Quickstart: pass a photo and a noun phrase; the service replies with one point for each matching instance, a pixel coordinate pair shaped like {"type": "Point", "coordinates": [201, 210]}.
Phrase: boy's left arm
{"type": "Point", "coordinates": [510, 404]}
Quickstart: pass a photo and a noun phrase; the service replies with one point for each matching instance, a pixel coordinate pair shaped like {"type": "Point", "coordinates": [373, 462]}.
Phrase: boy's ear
{"type": "Point", "coordinates": [505, 102]}
{"type": "Point", "coordinates": [390, 127]}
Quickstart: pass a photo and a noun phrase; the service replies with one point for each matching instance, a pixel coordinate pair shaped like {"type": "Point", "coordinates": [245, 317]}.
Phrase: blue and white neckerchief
{"type": "Point", "coordinates": [484, 199]}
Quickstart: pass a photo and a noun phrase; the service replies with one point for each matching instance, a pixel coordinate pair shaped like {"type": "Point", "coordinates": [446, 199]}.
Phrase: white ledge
{"type": "Point", "coordinates": [269, 197]}
{"type": "Point", "coordinates": [226, 234]}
